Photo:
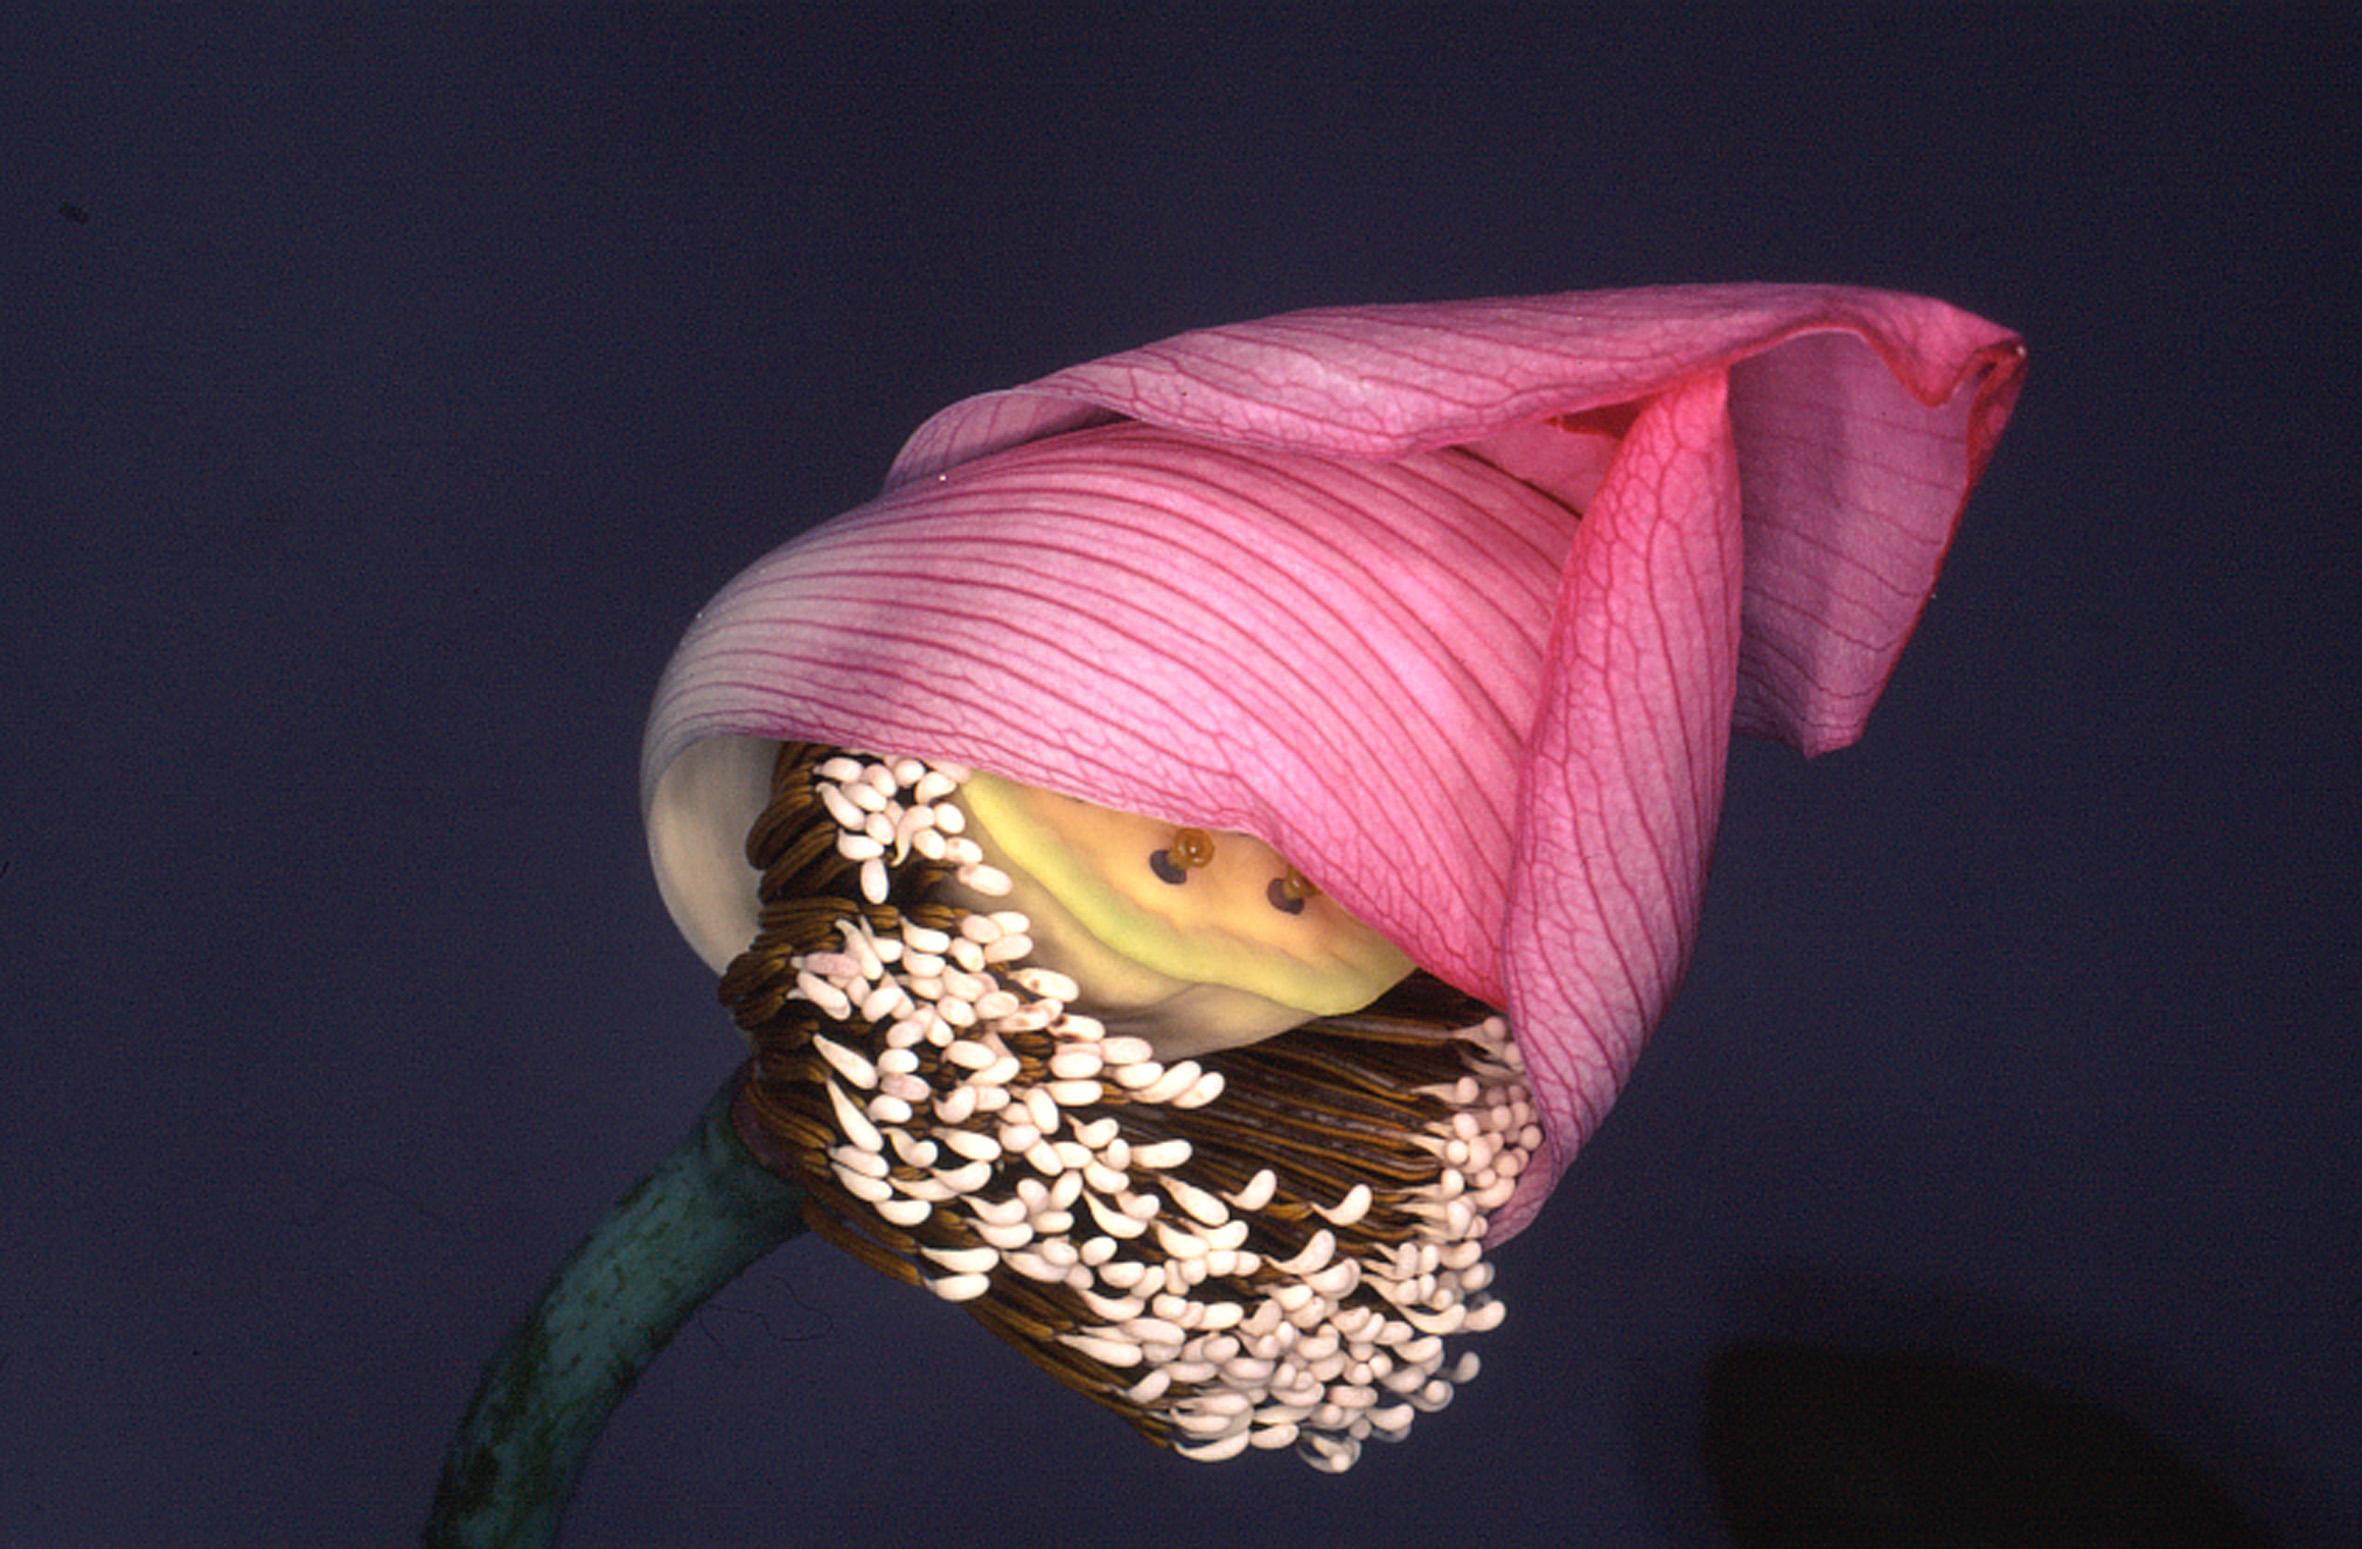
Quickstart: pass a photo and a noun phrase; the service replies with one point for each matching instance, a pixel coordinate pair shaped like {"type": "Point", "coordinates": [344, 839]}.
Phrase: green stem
{"type": "Point", "coordinates": [705, 1213]}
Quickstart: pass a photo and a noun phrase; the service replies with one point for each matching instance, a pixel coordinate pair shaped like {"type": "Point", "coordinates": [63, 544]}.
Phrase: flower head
{"type": "Point", "coordinates": [1447, 611]}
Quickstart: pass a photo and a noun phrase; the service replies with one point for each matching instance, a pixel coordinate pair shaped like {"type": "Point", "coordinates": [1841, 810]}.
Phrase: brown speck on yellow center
{"type": "Point", "coordinates": [1289, 890]}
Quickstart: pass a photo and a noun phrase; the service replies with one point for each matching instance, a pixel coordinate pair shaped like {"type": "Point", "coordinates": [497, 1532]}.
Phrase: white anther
{"type": "Point", "coordinates": [1113, 1221]}
{"type": "Point", "coordinates": [1337, 1280]}
{"type": "Point", "coordinates": [960, 1288]}
{"type": "Point", "coordinates": [866, 1189]}
{"type": "Point", "coordinates": [1447, 1321]}
{"type": "Point", "coordinates": [959, 984]}
{"type": "Point", "coordinates": [1012, 948]}
{"type": "Point", "coordinates": [1074, 1094]}
{"type": "Point", "coordinates": [1033, 1266]}
{"type": "Point", "coordinates": [1258, 1191]}
{"type": "Point", "coordinates": [1108, 1352]}
{"type": "Point", "coordinates": [998, 1212]}
{"type": "Point", "coordinates": [873, 880]}
{"type": "Point", "coordinates": [904, 1212]}
{"type": "Point", "coordinates": [966, 1178]}
{"type": "Point", "coordinates": [915, 1152]}
{"type": "Point", "coordinates": [1154, 1331]}
{"type": "Point", "coordinates": [1042, 1109]}
{"type": "Point", "coordinates": [1150, 1388]}
{"type": "Point", "coordinates": [853, 1122]}
{"type": "Point", "coordinates": [1134, 1077]}
{"type": "Point", "coordinates": [1201, 1092]}
{"type": "Point", "coordinates": [836, 967]}
{"type": "Point", "coordinates": [1196, 1201]}
{"type": "Point", "coordinates": [845, 1062]}
{"type": "Point", "coordinates": [925, 940]}
{"type": "Point", "coordinates": [841, 807]}
{"type": "Point", "coordinates": [1349, 1210]}
{"type": "Point", "coordinates": [998, 1074]}
{"type": "Point", "coordinates": [991, 881]}
{"type": "Point", "coordinates": [1125, 1274]}
{"type": "Point", "coordinates": [1176, 1080]}
{"type": "Point", "coordinates": [1047, 981]}
{"type": "Point", "coordinates": [1007, 1238]}
{"type": "Point", "coordinates": [823, 994]}
{"type": "Point", "coordinates": [1179, 1244]}
{"type": "Point", "coordinates": [1164, 1154]}
{"type": "Point", "coordinates": [1316, 1253]}
{"type": "Point", "coordinates": [867, 1163]}
{"type": "Point", "coordinates": [1110, 1309]}
{"type": "Point", "coordinates": [1220, 1449]}
{"type": "Point", "coordinates": [1229, 1237]}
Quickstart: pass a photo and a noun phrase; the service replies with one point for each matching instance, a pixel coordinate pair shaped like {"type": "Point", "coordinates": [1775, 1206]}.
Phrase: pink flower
{"type": "Point", "coordinates": [1322, 578]}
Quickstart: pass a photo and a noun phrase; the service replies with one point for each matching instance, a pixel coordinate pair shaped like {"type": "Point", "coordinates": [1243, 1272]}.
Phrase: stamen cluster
{"type": "Point", "coordinates": [1258, 1247]}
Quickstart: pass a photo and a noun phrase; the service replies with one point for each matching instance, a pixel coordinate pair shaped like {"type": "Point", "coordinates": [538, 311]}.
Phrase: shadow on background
{"type": "Point", "coordinates": [1810, 1444]}
{"type": "Point", "coordinates": [1852, 1417]}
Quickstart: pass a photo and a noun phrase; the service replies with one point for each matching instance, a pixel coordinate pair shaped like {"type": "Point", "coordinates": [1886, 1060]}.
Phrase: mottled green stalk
{"type": "Point", "coordinates": [705, 1213]}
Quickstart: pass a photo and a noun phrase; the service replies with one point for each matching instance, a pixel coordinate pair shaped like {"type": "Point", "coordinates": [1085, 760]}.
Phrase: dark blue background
{"type": "Point", "coordinates": [393, 392]}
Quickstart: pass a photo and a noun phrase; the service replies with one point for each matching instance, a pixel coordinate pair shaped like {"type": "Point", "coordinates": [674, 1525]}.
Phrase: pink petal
{"type": "Point", "coordinates": [1857, 450]}
{"type": "Point", "coordinates": [1624, 774]}
{"type": "Point", "coordinates": [1340, 658]}
{"type": "Point", "coordinates": [1292, 610]}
